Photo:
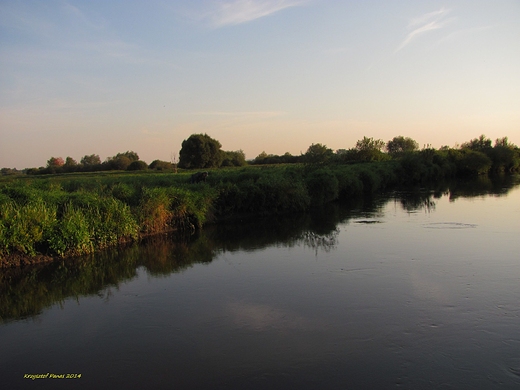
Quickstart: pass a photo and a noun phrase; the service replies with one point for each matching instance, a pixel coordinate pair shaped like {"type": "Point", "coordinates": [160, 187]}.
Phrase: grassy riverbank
{"type": "Point", "coordinates": [74, 214]}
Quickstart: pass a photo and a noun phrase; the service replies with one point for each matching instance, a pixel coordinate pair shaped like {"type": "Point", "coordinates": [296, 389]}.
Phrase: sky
{"type": "Point", "coordinates": [103, 77]}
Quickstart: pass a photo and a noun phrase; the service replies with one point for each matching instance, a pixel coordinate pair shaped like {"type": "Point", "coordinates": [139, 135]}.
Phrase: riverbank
{"type": "Point", "coordinates": [43, 218]}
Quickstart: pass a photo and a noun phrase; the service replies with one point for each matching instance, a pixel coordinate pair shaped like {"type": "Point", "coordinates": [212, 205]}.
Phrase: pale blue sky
{"type": "Point", "coordinates": [102, 77]}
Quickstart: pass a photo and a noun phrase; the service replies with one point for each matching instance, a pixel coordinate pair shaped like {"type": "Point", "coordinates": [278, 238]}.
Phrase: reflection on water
{"type": "Point", "coordinates": [414, 289]}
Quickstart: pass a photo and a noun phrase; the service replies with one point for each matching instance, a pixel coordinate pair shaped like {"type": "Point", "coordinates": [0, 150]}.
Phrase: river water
{"type": "Point", "coordinates": [415, 290]}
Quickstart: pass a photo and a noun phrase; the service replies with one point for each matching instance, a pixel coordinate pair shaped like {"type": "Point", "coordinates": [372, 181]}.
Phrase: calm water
{"type": "Point", "coordinates": [416, 290]}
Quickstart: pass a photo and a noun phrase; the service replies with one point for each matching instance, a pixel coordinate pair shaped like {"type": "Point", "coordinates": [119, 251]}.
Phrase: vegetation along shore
{"type": "Point", "coordinates": [68, 209]}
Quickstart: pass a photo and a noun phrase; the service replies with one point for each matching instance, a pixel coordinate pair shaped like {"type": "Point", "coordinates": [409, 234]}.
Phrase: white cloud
{"type": "Point", "coordinates": [430, 15]}
{"type": "Point", "coordinates": [427, 22]}
{"type": "Point", "coordinates": [226, 13]}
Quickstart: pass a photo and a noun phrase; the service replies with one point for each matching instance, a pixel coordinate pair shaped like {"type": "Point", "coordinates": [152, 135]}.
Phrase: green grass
{"type": "Point", "coordinates": [79, 213]}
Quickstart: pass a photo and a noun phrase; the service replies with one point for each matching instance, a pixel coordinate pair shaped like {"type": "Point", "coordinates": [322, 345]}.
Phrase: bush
{"type": "Point", "coordinates": [323, 186]}
{"type": "Point", "coordinates": [349, 183]}
{"type": "Point", "coordinates": [72, 234]}
{"type": "Point", "coordinates": [137, 166]}
{"type": "Point", "coordinates": [24, 227]}
{"type": "Point", "coordinates": [504, 158]}
{"type": "Point", "coordinates": [112, 222]}
{"type": "Point", "coordinates": [470, 162]}
{"type": "Point", "coordinates": [153, 214]}
{"type": "Point", "coordinates": [159, 165]}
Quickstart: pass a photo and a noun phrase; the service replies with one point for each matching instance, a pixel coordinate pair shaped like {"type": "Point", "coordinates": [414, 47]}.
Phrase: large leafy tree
{"type": "Point", "coordinates": [480, 144]}
{"type": "Point", "coordinates": [318, 153]}
{"type": "Point", "coordinates": [121, 161]}
{"type": "Point", "coordinates": [54, 162]}
{"type": "Point", "coordinates": [70, 162]}
{"type": "Point", "coordinates": [400, 144]}
{"type": "Point", "coordinates": [200, 151]}
{"type": "Point", "coordinates": [369, 149]}
{"type": "Point", "coordinates": [91, 160]}
{"type": "Point", "coordinates": [370, 144]}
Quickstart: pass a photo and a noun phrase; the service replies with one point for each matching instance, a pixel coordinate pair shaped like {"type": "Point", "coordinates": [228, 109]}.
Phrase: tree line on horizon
{"type": "Point", "coordinates": [200, 151]}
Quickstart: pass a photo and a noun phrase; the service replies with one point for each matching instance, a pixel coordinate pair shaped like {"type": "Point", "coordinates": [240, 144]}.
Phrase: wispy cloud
{"type": "Point", "coordinates": [464, 32]}
{"type": "Point", "coordinates": [424, 23]}
{"type": "Point", "coordinates": [225, 13]}
{"type": "Point", "coordinates": [426, 17]}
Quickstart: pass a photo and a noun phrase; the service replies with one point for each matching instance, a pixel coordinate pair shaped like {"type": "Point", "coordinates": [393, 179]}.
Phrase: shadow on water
{"type": "Point", "coordinates": [26, 292]}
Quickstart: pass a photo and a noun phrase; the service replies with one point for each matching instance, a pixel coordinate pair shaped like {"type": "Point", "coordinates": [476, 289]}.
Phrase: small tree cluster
{"type": "Point", "coordinates": [233, 159]}
{"type": "Point", "coordinates": [286, 158]}
{"type": "Point", "coordinates": [202, 151]}
{"type": "Point", "coordinates": [400, 145]}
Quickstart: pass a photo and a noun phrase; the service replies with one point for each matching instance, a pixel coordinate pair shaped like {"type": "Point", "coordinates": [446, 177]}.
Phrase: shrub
{"type": "Point", "coordinates": [159, 165]}
{"type": "Point", "coordinates": [371, 181]}
{"type": "Point", "coordinates": [504, 158]}
{"type": "Point", "coordinates": [124, 193]}
{"type": "Point", "coordinates": [349, 184]}
{"type": "Point", "coordinates": [470, 162]}
{"type": "Point", "coordinates": [72, 233]}
{"type": "Point", "coordinates": [137, 166]}
{"type": "Point", "coordinates": [153, 214]}
{"type": "Point", "coordinates": [110, 222]}
{"type": "Point", "coordinates": [24, 226]}
{"type": "Point", "coordinates": [323, 186]}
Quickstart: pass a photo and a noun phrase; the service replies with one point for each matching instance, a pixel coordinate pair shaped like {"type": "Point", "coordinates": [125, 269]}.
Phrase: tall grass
{"type": "Point", "coordinates": [25, 227]}
{"type": "Point", "coordinates": [77, 214]}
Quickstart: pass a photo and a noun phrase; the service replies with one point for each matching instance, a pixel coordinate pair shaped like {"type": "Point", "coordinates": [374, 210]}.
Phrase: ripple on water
{"type": "Point", "coordinates": [449, 225]}
{"type": "Point", "coordinates": [368, 221]}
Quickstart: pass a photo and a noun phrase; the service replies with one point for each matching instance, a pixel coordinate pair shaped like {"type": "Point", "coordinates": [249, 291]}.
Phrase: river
{"type": "Point", "coordinates": [414, 289]}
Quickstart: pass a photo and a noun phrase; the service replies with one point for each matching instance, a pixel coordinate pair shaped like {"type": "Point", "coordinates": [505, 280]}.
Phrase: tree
{"type": "Point", "coordinates": [470, 162]}
{"type": "Point", "coordinates": [91, 160]}
{"type": "Point", "coordinates": [131, 155]}
{"type": "Point", "coordinates": [200, 151]}
{"type": "Point", "coordinates": [70, 162]}
{"type": "Point", "coordinates": [118, 162]}
{"type": "Point", "coordinates": [137, 165]}
{"type": "Point", "coordinates": [234, 159]}
{"type": "Point", "coordinates": [399, 145]}
{"type": "Point", "coordinates": [260, 159]}
{"type": "Point", "coordinates": [10, 171]}
{"type": "Point", "coordinates": [70, 165]}
{"type": "Point", "coordinates": [121, 161]}
{"type": "Point", "coordinates": [480, 144]}
{"type": "Point", "coordinates": [369, 149]}
{"type": "Point", "coordinates": [504, 142]}
{"type": "Point", "coordinates": [370, 144]}
{"type": "Point", "coordinates": [318, 153]}
{"type": "Point", "coordinates": [505, 155]}
{"type": "Point", "coordinates": [55, 162]}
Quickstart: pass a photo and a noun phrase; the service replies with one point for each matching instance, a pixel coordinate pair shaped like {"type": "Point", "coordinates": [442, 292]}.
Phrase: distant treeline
{"type": "Point", "coordinates": [474, 157]}
{"type": "Point", "coordinates": [76, 214]}
{"type": "Point", "coordinates": [478, 156]}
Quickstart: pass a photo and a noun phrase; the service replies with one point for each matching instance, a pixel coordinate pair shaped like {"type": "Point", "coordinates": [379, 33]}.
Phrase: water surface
{"type": "Point", "coordinates": [417, 289]}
